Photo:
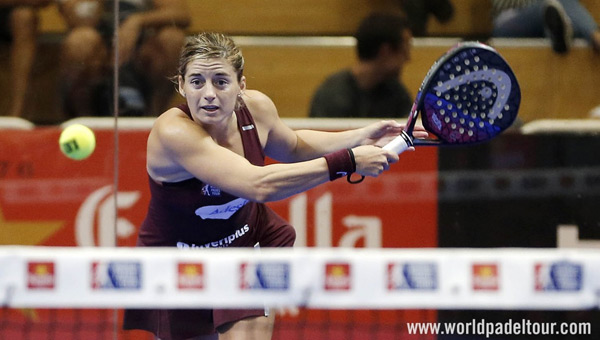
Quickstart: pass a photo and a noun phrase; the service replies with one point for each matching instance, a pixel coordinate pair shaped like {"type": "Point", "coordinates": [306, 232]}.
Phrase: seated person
{"type": "Point", "coordinates": [560, 20]}
{"type": "Point", "coordinates": [18, 27]}
{"type": "Point", "coordinates": [418, 13]}
{"type": "Point", "coordinates": [151, 34]}
{"type": "Point", "coordinates": [371, 88]}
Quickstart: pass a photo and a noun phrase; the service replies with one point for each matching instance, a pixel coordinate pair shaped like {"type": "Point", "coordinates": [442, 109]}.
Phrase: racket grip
{"type": "Point", "coordinates": [400, 143]}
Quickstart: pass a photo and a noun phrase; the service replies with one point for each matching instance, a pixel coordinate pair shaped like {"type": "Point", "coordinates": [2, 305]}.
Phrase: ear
{"type": "Point", "coordinates": [243, 83]}
{"type": "Point", "coordinates": [180, 86]}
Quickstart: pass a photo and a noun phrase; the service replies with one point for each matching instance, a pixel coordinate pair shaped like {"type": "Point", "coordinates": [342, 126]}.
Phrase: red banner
{"type": "Point", "coordinates": [48, 199]}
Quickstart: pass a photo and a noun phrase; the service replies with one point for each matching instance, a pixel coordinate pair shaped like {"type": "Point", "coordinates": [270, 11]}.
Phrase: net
{"type": "Point", "coordinates": [79, 293]}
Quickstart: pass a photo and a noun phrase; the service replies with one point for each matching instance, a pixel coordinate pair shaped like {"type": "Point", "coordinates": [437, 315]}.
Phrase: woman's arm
{"type": "Point", "coordinates": [176, 144]}
{"type": "Point", "coordinates": [180, 148]}
{"type": "Point", "coordinates": [286, 145]}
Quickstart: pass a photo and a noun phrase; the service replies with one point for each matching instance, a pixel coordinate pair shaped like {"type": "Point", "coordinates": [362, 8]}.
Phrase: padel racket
{"type": "Point", "coordinates": [469, 95]}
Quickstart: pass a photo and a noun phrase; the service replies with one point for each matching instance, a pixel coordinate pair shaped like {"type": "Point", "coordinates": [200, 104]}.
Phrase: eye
{"type": "Point", "coordinates": [221, 82]}
{"type": "Point", "coordinates": [197, 82]}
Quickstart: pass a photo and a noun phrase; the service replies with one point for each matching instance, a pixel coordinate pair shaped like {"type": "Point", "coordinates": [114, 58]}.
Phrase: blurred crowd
{"type": "Point", "coordinates": [151, 33]}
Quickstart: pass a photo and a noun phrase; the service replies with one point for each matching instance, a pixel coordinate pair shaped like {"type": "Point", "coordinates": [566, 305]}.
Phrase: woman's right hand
{"type": "Point", "coordinates": [372, 160]}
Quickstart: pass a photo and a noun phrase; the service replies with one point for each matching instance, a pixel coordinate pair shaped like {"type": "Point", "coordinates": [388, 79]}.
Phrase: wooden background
{"type": "Point", "coordinates": [553, 86]}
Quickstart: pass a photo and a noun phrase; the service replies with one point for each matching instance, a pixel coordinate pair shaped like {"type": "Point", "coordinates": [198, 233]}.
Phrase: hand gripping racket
{"type": "Point", "coordinates": [469, 95]}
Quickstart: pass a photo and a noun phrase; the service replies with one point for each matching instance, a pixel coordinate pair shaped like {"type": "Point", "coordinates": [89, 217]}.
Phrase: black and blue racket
{"type": "Point", "coordinates": [469, 95]}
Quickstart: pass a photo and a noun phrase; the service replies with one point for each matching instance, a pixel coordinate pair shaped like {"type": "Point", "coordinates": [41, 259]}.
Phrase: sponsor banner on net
{"type": "Point", "coordinates": [116, 275]}
{"type": "Point", "coordinates": [268, 276]}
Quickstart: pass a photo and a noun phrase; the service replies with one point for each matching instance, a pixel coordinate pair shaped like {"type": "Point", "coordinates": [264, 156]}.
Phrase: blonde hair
{"type": "Point", "coordinates": [210, 45]}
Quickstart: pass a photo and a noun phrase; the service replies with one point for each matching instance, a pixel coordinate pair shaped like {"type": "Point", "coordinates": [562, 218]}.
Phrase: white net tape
{"type": "Point", "coordinates": [54, 277]}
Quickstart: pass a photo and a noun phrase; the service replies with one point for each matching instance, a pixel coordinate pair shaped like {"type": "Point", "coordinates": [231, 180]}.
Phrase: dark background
{"type": "Point", "coordinates": [514, 192]}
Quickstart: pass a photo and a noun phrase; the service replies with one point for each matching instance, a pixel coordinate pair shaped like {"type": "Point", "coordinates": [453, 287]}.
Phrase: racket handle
{"type": "Point", "coordinates": [400, 143]}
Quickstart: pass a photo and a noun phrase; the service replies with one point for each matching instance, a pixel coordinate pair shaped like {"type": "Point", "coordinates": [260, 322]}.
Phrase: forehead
{"type": "Point", "coordinates": [210, 66]}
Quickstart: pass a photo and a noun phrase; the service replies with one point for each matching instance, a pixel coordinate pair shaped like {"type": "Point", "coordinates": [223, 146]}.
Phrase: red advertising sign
{"type": "Point", "coordinates": [190, 275]}
{"type": "Point", "coordinates": [40, 275]}
{"type": "Point", "coordinates": [485, 276]}
{"type": "Point", "coordinates": [48, 199]}
{"type": "Point", "coordinates": [338, 276]}
{"type": "Point", "coordinates": [52, 200]}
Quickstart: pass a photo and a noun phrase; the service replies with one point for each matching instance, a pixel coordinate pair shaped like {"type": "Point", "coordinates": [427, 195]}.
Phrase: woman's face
{"type": "Point", "coordinates": [210, 87]}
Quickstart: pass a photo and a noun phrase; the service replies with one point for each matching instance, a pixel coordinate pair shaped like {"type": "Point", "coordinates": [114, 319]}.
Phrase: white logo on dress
{"type": "Point", "coordinates": [221, 212]}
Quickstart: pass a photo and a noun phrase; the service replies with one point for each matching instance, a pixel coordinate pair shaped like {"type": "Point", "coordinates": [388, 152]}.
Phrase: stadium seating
{"type": "Point", "coordinates": [290, 52]}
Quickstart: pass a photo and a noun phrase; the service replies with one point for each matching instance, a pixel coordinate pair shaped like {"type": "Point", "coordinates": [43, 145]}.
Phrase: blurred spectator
{"type": "Point", "coordinates": [19, 27]}
{"type": "Point", "coordinates": [371, 87]}
{"type": "Point", "coordinates": [560, 20]}
{"type": "Point", "coordinates": [418, 13]}
{"type": "Point", "coordinates": [151, 34]}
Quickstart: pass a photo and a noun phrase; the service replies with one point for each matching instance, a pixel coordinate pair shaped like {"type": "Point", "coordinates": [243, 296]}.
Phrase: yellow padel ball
{"type": "Point", "coordinates": [77, 141]}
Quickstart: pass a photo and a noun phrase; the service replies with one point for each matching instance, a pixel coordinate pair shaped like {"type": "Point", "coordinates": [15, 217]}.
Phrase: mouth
{"type": "Point", "coordinates": [210, 108]}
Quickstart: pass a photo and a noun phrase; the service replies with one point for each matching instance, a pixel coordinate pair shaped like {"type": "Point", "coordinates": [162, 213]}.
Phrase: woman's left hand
{"type": "Point", "coordinates": [385, 131]}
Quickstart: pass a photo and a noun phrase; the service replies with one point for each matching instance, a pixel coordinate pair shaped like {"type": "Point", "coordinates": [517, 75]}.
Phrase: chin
{"type": "Point", "coordinates": [212, 117]}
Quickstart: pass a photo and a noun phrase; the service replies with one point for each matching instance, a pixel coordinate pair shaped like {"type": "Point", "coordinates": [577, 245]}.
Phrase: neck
{"type": "Point", "coordinates": [222, 131]}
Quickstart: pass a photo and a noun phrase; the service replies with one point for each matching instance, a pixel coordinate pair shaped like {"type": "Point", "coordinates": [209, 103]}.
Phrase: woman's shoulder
{"type": "Point", "coordinates": [171, 122]}
{"type": "Point", "coordinates": [256, 97]}
{"type": "Point", "coordinates": [258, 103]}
{"type": "Point", "coordinates": [172, 114]}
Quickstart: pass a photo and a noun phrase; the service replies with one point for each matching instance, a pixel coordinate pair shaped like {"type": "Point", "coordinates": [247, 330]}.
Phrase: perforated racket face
{"type": "Point", "coordinates": [470, 95]}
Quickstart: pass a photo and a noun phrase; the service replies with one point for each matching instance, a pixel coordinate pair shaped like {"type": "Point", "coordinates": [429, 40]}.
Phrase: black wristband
{"type": "Point", "coordinates": [352, 159]}
{"type": "Point", "coordinates": [340, 163]}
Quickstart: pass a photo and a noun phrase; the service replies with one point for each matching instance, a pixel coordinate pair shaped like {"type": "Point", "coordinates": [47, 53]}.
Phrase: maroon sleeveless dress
{"type": "Point", "coordinates": [193, 214]}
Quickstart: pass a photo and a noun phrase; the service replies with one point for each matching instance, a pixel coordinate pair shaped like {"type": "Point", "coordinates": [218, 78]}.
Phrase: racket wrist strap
{"type": "Point", "coordinates": [340, 163]}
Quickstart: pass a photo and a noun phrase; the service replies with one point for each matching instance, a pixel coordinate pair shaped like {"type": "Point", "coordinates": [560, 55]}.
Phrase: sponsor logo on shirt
{"type": "Point", "coordinates": [116, 275]}
{"type": "Point", "coordinates": [221, 212]}
{"type": "Point", "coordinates": [209, 190]}
{"type": "Point", "coordinates": [40, 275]}
{"type": "Point", "coordinates": [224, 242]}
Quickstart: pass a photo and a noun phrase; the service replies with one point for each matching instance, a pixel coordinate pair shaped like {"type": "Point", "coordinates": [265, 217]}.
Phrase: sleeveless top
{"type": "Point", "coordinates": [192, 213]}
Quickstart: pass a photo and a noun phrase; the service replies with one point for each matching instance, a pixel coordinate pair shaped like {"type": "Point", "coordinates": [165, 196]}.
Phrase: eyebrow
{"type": "Point", "coordinates": [220, 74]}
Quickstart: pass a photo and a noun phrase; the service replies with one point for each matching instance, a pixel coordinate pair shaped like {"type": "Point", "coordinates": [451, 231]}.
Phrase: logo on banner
{"type": "Point", "coordinates": [116, 275]}
{"type": "Point", "coordinates": [337, 276]}
{"type": "Point", "coordinates": [190, 276]}
{"type": "Point", "coordinates": [412, 275]}
{"type": "Point", "coordinates": [40, 275]}
{"type": "Point", "coordinates": [485, 276]}
{"type": "Point", "coordinates": [265, 276]}
{"type": "Point", "coordinates": [558, 276]}
{"type": "Point", "coordinates": [95, 221]}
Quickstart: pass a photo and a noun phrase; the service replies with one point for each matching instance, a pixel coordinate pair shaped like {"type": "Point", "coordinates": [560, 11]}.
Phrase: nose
{"type": "Point", "coordinates": [209, 92]}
